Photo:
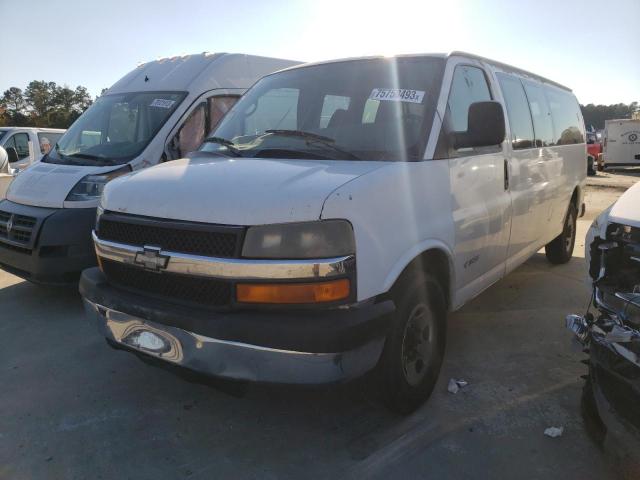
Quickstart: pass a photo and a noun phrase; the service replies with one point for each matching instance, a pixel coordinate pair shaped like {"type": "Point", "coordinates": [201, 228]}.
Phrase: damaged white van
{"type": "Point", "coordinates": [335, 215]}
{"type": "Point", "coordinates": [160, 111]}
{"type": "Point", "coordinates": [611, 334]}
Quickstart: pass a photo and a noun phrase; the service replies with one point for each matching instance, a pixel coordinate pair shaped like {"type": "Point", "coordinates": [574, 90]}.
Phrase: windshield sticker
{"type": "Point", "coordinates": [397, 95]}
{"type": "Point", "coordinates": [162, 103]}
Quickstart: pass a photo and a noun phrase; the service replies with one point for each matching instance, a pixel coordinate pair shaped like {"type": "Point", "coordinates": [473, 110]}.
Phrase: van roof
{"type": "Point", "coordinates": [34, 129]}
{"type": "Point", "coordinates": [443, 56]}
{"type": "Point", "coordinates": [200, 72]}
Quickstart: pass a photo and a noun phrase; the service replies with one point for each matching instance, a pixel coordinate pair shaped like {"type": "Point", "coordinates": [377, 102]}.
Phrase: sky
{"type": "Point", "coordinates": [590, 46]}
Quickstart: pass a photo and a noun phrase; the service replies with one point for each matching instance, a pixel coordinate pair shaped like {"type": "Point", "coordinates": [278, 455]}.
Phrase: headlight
{"type": "Point", "coordinates": [91, 186]}
{"type": "Point", "coordinates": [321, 239]}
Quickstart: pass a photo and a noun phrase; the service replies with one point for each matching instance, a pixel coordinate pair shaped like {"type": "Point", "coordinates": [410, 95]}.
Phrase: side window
{"type": "Point", "coordinates": [191, 133]}
{"type": "Point", "coordinates": [517, 110]}
{"type": "Point", "coordinates": [20, 141]}
{"type": "Point", "coordinates": [218, 106]}
{"type": "Point", "coordinates": [47, 140]}
{"type": "Point", "coordinates": [200, 123]}
{"type": "Point", "coordinates": [542, 124]}
{"type": "Point", "coordinates": [277, 109]}
{"type": "Point", "coordinates": [469, 85]}
{"type": "Point", "coordinates": [566, 116]}
{"type": "Point", "coordinates": [333, 106]}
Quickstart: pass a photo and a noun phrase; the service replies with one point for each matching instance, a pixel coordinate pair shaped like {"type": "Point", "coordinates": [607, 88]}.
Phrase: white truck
{"type": "Point", "coordinates": [621, 143]}
{"type": "Point", "coordinates": [160, 111]}
{"type": "Point", "coordinates": [26, 145]}
{"type": "Point", "coordinates": [335, 215]}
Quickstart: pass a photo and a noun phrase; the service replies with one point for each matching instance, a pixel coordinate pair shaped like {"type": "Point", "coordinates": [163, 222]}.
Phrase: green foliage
{"type": "Point", "coordinates": [43, 104]}
{"type": "Point", "coordinates": [596, 114]}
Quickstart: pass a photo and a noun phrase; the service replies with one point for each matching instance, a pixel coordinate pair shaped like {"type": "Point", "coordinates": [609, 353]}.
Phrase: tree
{"type": "Point", "coordinates": [41, 97]}
{"type": "Point", "coordinates": [597, 114]}
{"type": "Point", "coordinates": [14, 107]}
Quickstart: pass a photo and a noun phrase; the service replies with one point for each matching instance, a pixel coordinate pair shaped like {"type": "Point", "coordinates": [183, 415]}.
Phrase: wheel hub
{"type": "Point", "coordinates": [418, 344]}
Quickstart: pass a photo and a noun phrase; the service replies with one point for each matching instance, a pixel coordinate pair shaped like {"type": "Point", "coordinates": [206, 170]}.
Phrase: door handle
{"type": "Point", "coordinates": [506, 174]}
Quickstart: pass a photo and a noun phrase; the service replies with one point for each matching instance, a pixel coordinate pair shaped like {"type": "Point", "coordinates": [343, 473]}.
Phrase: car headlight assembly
{"type": "Point", "coordinates": [91, 186]}
{"type": "Point", "coordinates": [303, 240]}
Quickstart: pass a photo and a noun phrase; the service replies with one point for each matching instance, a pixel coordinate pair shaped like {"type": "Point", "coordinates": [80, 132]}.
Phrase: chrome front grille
{"type": "Point", "coordinates": [15, 228]}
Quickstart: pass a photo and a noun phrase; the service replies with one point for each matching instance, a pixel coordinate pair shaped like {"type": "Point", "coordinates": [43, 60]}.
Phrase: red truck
{"type": "Point", "coordinates": [594, 148]}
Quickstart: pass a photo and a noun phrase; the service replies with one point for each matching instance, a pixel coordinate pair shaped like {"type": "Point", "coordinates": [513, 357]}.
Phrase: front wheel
{"type": "Point", "coordinates": [414, 348]}
{"type": "Point", "coordinates": [560, 249]}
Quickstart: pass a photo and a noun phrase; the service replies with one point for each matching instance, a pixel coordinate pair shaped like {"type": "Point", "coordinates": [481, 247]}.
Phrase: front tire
{"type": "Point", "coordinates": [414, 349]}
{"type": "Point", "coordinates": [560, 249]}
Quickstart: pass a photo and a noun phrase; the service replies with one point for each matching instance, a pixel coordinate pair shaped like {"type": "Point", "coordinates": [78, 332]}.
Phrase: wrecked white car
{"type": "Point", "coordinates": [611, 335]}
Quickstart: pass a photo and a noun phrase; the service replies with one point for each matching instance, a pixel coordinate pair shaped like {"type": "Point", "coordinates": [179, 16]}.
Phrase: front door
{"type": "Point", "coordinates": [481, 199]}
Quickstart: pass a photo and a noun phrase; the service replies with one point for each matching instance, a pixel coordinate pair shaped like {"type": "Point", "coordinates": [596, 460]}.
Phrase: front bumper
{"type": "Point", "coordinates": [275, 346]}
{"type": "Point", "coordinates": [58, 249]}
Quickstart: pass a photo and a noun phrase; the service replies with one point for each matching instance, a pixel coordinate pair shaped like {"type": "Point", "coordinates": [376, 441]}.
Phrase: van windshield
{"type": "Point", "coordinates": [115, 129]}
{"type": "Point", "coordinates": [369, 109]}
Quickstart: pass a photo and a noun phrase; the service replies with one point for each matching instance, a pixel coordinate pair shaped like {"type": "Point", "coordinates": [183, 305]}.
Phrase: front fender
{"type": "Point", "coordinates": [397, 212]}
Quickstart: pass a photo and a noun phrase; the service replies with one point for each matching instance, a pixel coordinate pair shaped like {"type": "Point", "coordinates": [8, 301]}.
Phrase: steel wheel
{"type": "Point", "coordinates": [418, 344]}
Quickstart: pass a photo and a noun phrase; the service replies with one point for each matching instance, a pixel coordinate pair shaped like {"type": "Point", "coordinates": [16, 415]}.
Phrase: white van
{"type": "Point", "coordinates": [335, 215]}
{"type": "Point", "coordinates": [159, 111]}
{"type": "Point", "coordinates": [26, 145]}
{"type": "Point", "coordinates": [621, 143]}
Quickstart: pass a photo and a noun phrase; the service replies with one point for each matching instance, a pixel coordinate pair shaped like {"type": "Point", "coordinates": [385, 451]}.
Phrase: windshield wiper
{"type": "Point", "coordinates": [95, 158]}
{"type": "Point", "coordinates": [88, 156]}
{"type": "Point", "coordinates": [224, 142]}
{"type": "Point", "coordinates": [314, 138]}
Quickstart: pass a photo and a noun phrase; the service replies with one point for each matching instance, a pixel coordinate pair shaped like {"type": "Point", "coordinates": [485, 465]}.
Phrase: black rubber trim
{"type": "Point", "coordinates": [65, 231]}
{"type": "Point", "coordinates": [324, 330]}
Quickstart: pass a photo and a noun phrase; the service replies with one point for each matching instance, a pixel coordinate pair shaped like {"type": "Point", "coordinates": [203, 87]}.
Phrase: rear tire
{"type": "Point", "coordinates": [414, 349]}
{"type": "Point", "coordinates": [560, 249]}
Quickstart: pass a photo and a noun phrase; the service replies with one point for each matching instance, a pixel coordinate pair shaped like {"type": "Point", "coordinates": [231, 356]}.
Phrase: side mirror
{"type": "Point", "coordinates": [4, 162]}
{"type": "Point", "coordinates": [485, 126]}
{"type": "Point", "coordinates": [12, 153]}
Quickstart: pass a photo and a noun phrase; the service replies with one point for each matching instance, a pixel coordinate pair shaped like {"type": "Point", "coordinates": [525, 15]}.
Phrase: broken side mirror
{"type": "Point", "coordinates": [485, 126]}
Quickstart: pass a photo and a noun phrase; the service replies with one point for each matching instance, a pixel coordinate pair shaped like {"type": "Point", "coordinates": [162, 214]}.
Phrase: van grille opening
{"type": "Point", "coordinates": [183, 237]}
{"type": "Point", "coordinates": [16, 228]}
{"type": "Point", "coordinates": [206, 292]}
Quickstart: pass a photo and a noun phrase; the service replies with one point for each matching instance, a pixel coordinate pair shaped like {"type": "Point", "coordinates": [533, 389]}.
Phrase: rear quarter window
{"type": "Point", "coordinates": [565, 112]}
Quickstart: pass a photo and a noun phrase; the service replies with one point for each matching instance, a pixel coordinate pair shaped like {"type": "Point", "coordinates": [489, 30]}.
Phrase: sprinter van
{"type": "Point", "coordinates": [160, 111]}
{"type": "Point", "coordinates": [333, 218]}
{"type": "Point", "coordinates": [621, 143]}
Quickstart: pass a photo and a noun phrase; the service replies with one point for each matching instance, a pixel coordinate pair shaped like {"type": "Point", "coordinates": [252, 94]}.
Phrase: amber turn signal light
{"type": "Point", "coordinates": [318, 292]}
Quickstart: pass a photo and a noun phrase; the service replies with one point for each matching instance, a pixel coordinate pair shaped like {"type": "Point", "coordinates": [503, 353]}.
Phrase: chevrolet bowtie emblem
{"type": "Point", "coordinates": [151, 258]}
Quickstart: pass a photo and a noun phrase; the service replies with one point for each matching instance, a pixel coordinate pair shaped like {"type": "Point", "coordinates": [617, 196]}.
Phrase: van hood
{"type": "Point", "coordinates": [232, 191]}
{"type": "Point", "coordinates": [48, 184]}
{"type": "Point", "coordinates": [626, 210]}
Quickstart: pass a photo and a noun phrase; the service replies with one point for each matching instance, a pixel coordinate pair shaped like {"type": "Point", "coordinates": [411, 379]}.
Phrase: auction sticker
{"type": "Point", "coordinates": [397, 95]}
{"type": "Point", "coordinates": [162, 103]}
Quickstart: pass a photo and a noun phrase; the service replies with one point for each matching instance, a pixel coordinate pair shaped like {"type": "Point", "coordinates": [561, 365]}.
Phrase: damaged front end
{"type": "Point", "coordinates": [611, 336]}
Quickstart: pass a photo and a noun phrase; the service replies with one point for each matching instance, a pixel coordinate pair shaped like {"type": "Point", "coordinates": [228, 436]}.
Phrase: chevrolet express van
{"type": "Point", "coordinates": [160, 111]}
{"type": "Point", "coordinates": [335, 216]}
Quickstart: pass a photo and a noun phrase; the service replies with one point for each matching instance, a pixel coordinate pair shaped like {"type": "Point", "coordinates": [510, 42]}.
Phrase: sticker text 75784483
{"type": "Point", "coordinates": [397, 95]}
